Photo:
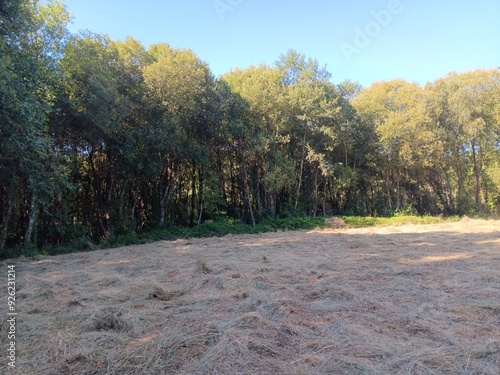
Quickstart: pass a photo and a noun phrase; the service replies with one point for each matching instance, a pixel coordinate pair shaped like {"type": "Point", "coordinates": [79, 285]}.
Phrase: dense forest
{"type": "Point", "coordinates": [100, 137]}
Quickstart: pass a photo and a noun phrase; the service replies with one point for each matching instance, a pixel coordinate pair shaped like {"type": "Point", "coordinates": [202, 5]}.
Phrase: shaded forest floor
{"type": "Point", "coordinates": [413, 299]}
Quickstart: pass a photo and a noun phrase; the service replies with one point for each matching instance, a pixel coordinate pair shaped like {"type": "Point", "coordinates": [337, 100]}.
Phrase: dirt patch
{"type": "Point", "coordinates": [395, 300]}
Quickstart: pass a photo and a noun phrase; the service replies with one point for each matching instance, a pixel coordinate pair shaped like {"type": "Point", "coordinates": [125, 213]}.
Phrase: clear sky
{"type": "Point", "coordinates": [361, 40]}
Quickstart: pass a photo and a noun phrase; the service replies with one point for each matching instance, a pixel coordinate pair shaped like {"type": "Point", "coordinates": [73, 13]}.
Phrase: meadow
{"type": "Point", "coordinates": [397, 299]}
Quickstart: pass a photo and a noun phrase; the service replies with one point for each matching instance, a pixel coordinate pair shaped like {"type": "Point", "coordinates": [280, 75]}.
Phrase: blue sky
{"type": "Point", "coordinates": [364, 40]}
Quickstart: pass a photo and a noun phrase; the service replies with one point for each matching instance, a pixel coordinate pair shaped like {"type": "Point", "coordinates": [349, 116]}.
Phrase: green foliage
{"type": "Point", "coordinates": [224, 228]}
{"type": "Point", "coordinates": [407, 210]}
{"type": "Point", "coordinates": [30, 168]}
{"type": "Point", "coordinates": [360, 221]}
{"type": "Point", "coordinates": [212, 229]}
{"type": "Point", "coordinates": [107, 142]}
{"type": "Point", "coordinates": [294, 223]}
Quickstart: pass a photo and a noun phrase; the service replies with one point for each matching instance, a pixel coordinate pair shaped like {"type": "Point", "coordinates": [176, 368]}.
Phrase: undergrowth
{"type": "Point", "coordinates": [223, 228]}
{"type": "Point", "coordinates": [214, 229]}
{"type": "Point", "coordinates": [358, 221]}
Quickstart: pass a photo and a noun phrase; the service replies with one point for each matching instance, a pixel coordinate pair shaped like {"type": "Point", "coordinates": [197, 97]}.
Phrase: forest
{"type": "Point", "coordinates": [100, 137]}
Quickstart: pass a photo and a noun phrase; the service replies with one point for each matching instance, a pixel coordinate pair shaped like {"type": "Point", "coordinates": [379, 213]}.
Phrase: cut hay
{"type": "Point", "coordinates": [335, 223]}
{"type": "Point", "coordinates": [407, 300]}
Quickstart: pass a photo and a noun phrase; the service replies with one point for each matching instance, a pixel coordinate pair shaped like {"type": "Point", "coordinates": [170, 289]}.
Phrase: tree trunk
{"type": "Point", "coordinates": [324, 198]}
{"type": "Point", "coordinates": [171, 178]}
{"type": "Point", "coordinates": [388, 187]}
{"type": "Point", "coordinates": [301, 171]}
{"type": "Point", "coordinates": [444, 190]}
{"type": "Point", "coordinates": [97, 184]}
{"type": "Point", "coordinates": [162, 216]}
{"type": "Point", "coordinates": [233, 187]}
{"type": "Point", "coordinates": [193, 197]}
{"type": "Point", "coordinates": [315, 200]}
{"type": "Point", "coordinates": [135, 198]}
{"type": "Point", "coordinates": [460, 183]}
{"type": "Point", "coordinates": [247, 195]}
{"type": "Point", "coordinates": [31, 221]}
{"type": "Point", "coordinates": [486, 190]}
{"type": "Point", "coordinates": [221, 177]}
{"type": "Point", "coordinates": [477, 175]}
{"type": "Point", "coordinates": [257, 186]}
{"type": "Point", "coordinates": [5, 226]}
{"type": "Point", "coordinates": [201, 179]}
{"type": "Point", "coordinates": [345, 146]}
{"type": "Point", "coordinates": [163, 204]}
{"type": "Point", "coordinates": [398, 188]}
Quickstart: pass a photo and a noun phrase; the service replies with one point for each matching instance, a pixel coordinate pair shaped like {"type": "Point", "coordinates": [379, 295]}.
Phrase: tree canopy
{"type": "Point", "coordinates": [101, 137]}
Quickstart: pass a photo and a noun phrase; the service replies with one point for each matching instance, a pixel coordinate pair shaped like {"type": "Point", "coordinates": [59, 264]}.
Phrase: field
{"type": "Point", "coordinates": [412, 299]}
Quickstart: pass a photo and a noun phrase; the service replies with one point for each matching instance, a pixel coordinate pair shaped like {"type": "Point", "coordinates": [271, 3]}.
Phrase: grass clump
{"type": "Point", "coordinates": [110, 321]}
{"type": "Point", "coordinates": [203, 267]}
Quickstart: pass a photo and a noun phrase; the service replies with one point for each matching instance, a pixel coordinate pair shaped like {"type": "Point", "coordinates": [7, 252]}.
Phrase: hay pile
{"type": "Point", "coordinates": [335, 222]}
{"type": "Point", "coordinates": [402, 300]}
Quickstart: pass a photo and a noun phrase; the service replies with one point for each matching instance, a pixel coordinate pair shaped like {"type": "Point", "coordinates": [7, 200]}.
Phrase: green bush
{"type": "Point", "coordinates": [359, 221]}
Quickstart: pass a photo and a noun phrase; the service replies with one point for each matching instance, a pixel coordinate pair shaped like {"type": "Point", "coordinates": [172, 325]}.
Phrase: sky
{"type": "Point", "coordinates": [360, 40]}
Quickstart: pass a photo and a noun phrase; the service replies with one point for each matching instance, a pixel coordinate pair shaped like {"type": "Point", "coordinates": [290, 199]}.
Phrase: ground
{"type": "Point", "coordinates": [395, 300]}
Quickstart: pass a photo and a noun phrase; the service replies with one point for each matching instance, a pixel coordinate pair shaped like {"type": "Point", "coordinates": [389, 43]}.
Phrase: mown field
{"type": "Point", "coordinates": [408, 299]}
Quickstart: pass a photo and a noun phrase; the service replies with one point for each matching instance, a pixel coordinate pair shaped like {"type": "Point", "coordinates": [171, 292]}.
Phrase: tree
{"type": "Point", "coordinates": [30, 39]}
{"type": "Point", "coordinates": [181, 86]}
{"type": "Point", "coordinates": [349, 89]}
{"type": "Point", "coordinates": [397, 111]}
{"type": "Point", "coordinates": [468, 122]}
{"type": "Point", "coordinates": [100, 138]}
{"type": "Point", "coordinates": [99, 120]}
{"type": "Point", "coordinates": [266, 136]}
{"type": "Point", "coordinates": [314, 102]}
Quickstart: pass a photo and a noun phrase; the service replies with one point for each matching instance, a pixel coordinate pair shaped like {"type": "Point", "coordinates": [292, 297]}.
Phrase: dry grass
{"type": "Point", "coordinates": [335, 223]}
{"type": "Point", "coordinates": [394, 300]}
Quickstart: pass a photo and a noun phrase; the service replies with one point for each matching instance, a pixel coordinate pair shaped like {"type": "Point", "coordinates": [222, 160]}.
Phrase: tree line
{"type": "Point", "coordinates": [100, 137]}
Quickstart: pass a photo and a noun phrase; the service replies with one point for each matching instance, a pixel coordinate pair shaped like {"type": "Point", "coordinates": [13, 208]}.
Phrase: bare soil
{"type": "Point", "coordinates": [396, 300]}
